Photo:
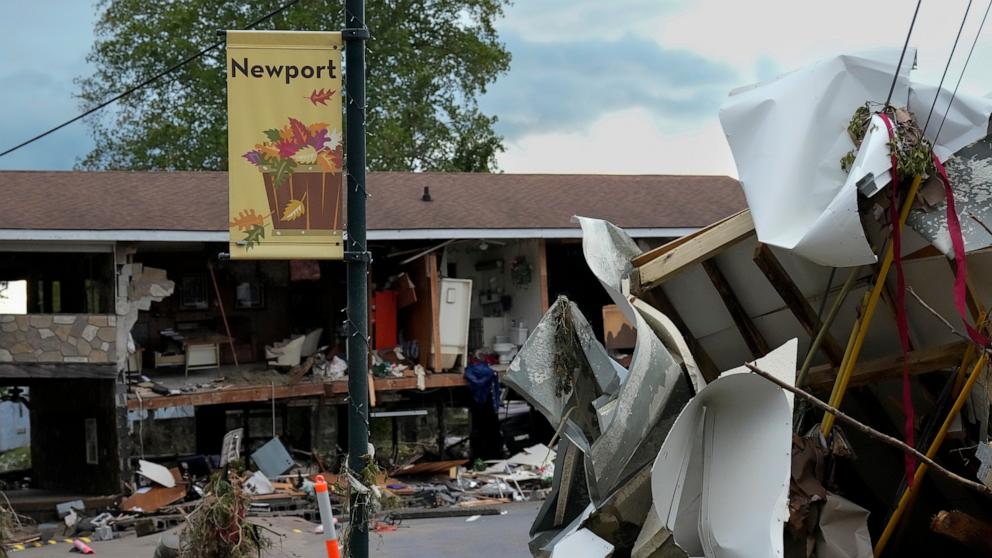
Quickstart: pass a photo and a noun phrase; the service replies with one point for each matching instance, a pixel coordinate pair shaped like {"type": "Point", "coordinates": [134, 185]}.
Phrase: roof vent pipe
{"type": "Point", "coordinates": [427, 194]}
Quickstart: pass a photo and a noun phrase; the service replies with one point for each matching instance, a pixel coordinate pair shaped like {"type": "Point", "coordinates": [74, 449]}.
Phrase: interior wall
{"type": "Point", "coordinates": [290, 305]}
{"type": "Point", "coordinates": [465, 258]}
{"type": "Point", "coordinates": [60, 413]}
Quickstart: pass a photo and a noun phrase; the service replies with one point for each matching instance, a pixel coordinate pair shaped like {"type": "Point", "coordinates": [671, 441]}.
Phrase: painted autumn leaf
{"type": "Point", "coordinates": [328, 161]}
{"type": "Point", "coordinates": [317, 127]}
{"type": "Point", "coordinates": [294, 210]}
{"type": "Point", "coordinates": [283, 168]}
{"type": "Point", "coordinates": [321, 96]}
{"type": "Point", "coordinates": [300, 131]}
{"type": "Point", "coordinates": [253, 237]}
{"type": "Point", "coordinates": [267, 150]}
{"type": "Point", "coordinates": [273, 134]}
{"type": "Point", "coordinates": [247, 219]}
{"type": "Point", "coordinates": [307, 155]}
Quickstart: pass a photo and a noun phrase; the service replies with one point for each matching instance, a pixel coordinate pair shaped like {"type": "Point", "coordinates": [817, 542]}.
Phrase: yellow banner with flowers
{"type": "Point", "coordinates": [285, 146]}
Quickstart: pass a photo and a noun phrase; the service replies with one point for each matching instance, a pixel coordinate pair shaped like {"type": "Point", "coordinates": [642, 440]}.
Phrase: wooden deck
{"type": "Point", "coordinates": [266, 391]}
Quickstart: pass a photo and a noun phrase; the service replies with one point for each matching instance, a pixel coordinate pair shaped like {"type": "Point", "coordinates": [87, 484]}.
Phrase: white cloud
{"type": "Point", "coordinates": [593, 20]}
{"type": "Point", "coordinates": [757, 39]}
{"type": "Point", "coordinates": [623, 142]}
{"type": "Point", "coordinates": [795, 33]}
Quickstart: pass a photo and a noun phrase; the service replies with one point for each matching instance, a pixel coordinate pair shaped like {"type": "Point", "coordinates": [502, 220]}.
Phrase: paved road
{"type": "Point", "coordinates": [495, 536]}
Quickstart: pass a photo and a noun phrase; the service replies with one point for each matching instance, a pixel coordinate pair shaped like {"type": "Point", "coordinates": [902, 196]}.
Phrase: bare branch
{"type": "Point", "coordinates": [980, 223]}
{"type": "Point", "coordinates": [953, 330]}
{"type": "Point", "coordinates": [981, 488]}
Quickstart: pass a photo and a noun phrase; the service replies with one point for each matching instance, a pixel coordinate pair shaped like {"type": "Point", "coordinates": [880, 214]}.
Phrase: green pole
{"type": "Point", "coordinates": [357, 258]}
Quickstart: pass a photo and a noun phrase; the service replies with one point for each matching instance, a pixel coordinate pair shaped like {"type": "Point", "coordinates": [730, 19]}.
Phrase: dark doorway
{"type": "Point", "coordinates": [568, 275]}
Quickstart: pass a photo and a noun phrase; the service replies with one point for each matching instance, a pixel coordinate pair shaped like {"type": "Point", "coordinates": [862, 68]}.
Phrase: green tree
{"type": "Point", "coordinates": [428, 62]}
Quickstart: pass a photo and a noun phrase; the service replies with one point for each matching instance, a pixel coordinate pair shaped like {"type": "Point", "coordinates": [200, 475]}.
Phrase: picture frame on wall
{"type": "Point", "coordinates": [193, 292]}
{"type": "Point", "coordinates": [249, 295]}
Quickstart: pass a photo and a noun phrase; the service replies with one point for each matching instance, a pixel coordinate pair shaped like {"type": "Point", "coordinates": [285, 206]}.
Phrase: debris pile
{"type": "Point", "coordinates": [218, 525]}
{"type": "Point", "coordinates": [667, 456]}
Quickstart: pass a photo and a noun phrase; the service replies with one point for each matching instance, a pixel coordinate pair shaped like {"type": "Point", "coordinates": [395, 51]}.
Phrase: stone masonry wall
{"type": "Point", "coordinates": [58, 338]}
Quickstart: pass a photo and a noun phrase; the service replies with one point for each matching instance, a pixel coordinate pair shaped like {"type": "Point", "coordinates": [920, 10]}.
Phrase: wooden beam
{"type": "Point", "coordinates": [657, 265]}
{"type": "Point", "coordinates": [432, 381]}
{"type": "Point", "coordinates": [226, 396]}
{"type": "Point", "coordinates": [766, 261]}
{"type": "Point", "coordinates": [435, 288]}
{"type": "Point", "coordinates": [657, 298]}
{"type": "Point", "coordinates": [965, 529]}
{"type": "Point", "coordinates": [37, 371]}
{"type": "Point", "coordinates": [921, 361]}
{"type": "Point", "coordinates": [542, 273]}
{"type": "Point", "coordinates": [247, 394]}
{"type": "Point", "coordinates": [752, 336]}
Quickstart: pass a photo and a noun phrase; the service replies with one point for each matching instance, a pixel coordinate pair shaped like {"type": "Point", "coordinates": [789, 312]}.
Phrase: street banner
{"type": "Point", "coordinates": [285, 146]}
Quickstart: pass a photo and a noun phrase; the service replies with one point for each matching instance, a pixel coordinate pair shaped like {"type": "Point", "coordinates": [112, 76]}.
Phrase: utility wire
{"type": "Point", "coordinates": [947, 66]}
{"type": "Point", "coordinates": [965, 67]}
{"type": "Point", "coordinates": [905, 45]}
{"type": "Point", "coordinates": [150, 80]}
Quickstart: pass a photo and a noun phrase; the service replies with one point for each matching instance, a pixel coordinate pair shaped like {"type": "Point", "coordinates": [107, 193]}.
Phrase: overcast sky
{"type": "Point", "coordinates": [625, 86]}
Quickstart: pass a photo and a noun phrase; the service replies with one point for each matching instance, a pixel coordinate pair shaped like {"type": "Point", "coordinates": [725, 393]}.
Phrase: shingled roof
{"type": "Point", "coordinates": [197, 201]}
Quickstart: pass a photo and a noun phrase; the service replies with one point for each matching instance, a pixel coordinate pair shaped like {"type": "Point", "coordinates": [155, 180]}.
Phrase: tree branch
{"type": "Point", "coordinates": [981, 488]}
{"type": "Point", "coordinates": [947, 323]}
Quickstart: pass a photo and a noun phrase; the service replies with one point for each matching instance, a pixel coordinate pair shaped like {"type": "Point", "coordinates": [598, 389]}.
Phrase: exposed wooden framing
{"type": "Point", "coordinates": [372, 399]}
{"type": "Point", "coordinates": [225, 396]}
{"type": "Point", "coordinates": [421, 319]}
{"type": "Point", "coordinates": [766, 261]}
{"type": "Point", "coordinates": [927, 252]}
{"type": "Point", "coordinates": [965, 529]}
{"type": "Point", "coordinates": [36, 371]}
{"type": "Point", "coordinates": [433, 381]}
{"type": "Point", "coordinates": [335, 390]}
{"type": "Point", "coordinates": [656, 297]}
{"type": "Point", "coordinates": [542, 273]}
{"type": "Point", "coordinates": [890, 367]}
{"type": "Point", "coordinates": [223, 316]}
{"type": "Point", "coordinates": [435, 283]}
{"type": "Point", "coordinates": [752, 336]}
{"type": "Point", "coordinates": [659, 264]}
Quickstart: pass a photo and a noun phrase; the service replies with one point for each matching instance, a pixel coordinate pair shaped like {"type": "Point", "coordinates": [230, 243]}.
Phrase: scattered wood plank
{"type": "Point", "coordinates": [657, 265]}
{"type": "Point", "coordinates": [298, 372]}
{"type": "Point", "coordinates": [920, 361]}
{"type": "Point", "coordinates": [786, 288]}
{"type": "Point", "coordinates": [440, 512]}
{"type": "Point", "coordinates": [427, 468]}
{"type": "Point", "coordinates": [965, 529]}
{"type": "Point", "coordinates": [755, 341]}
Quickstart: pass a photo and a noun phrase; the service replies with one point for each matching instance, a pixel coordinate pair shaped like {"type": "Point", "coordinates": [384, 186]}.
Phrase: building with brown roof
{"type": "Point", "coordinates": [121, 305]}
{"type": "Point", "coordinates": [192, 206]}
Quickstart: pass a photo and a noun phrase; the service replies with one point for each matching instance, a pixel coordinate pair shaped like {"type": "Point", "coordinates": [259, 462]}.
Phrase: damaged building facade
{"type": "Point", "coordinates": [127, 333]}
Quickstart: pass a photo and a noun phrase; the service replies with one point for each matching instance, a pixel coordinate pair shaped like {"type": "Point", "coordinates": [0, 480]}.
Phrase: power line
{"type": "Point", "coordinates": [905, 45]}
{"type": "Point", "coordinates": [965, 67]}
{"type": "Point", "coordinates": [947, 66]}
{"type": "Point", "coordinates": [148, 81]}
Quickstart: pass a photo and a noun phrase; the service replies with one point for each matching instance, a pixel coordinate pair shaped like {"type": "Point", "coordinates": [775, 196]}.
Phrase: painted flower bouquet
{"type": "Point", "coordinates": [300, 165]}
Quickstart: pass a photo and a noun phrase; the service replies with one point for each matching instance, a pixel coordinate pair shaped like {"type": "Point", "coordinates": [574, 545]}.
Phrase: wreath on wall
{"type": "Point", "coordinates": [521, 271]}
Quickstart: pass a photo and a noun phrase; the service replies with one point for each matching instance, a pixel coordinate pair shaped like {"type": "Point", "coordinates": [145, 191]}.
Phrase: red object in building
{"type": "Point", "coordinates": [385, 319]}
